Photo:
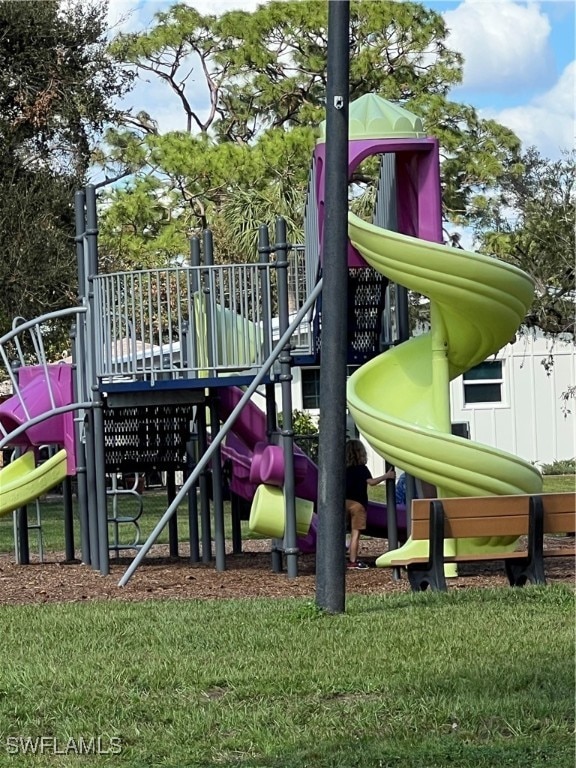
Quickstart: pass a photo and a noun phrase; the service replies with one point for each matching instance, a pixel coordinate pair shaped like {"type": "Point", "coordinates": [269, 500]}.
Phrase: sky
{"type": "Point", "coordinates": [519, 62]}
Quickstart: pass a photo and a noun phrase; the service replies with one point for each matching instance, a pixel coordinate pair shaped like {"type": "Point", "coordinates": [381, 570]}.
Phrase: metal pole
{"type": "Point", "coordinates": [330, 555]}
{"type": "Point", "coordinates": [270, 389]}
{"type": "Point", "coordinates": [195, 260]}
{"type": "Point", "coordinates": [290, 543]}
{"type": "Point", "coordinates": [391, 521]}
{"type": "Point", "coordinates": [23, 537]}
{"type": "Point", "coordinates": [98, 421]}
{"type": "Point", "coordinates": [386, 215]}
{"type": "Point", "coordinates": [89, 447]}
{"type": "Point", "coordinates": [271, 431]}
{"type": "Point", "coordinates": [235, 502]}
{"type": "Point", "coordinates": [206, 532]}
{"type": "Point", "coordinates": [263, 259]}
{"type": "Point", "coordinates": [68, 519]}
{"type": "Point", "coordinates": [192, 445]}
{"type": "Point", "coordinates": [78, 361]}
{"type": "Point", "coordinates": [194, 305]}
{"type": "Point", "coordinates": [211, 329]}
{"type": "Point", "coordinates": [173, 523]}
{"type": "Point", "coordinates": [192, 504]}
{"type": "Point", "coordinates": [92, 503]}
{"type": "Point", "coordinates": [403, 315]}
{"type": "Point", "coordinates": [218, 501]}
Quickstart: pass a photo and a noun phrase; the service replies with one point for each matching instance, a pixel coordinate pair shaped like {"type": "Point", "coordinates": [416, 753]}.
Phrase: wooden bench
{"type": "Point", "coordinates": [435, 520]}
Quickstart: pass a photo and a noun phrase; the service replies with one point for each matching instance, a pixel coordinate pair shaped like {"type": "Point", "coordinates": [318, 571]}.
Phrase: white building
{"type": "Point", "coordinates": [511, 401]}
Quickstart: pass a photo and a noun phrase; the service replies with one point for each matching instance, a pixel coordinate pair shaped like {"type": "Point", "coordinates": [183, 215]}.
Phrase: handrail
{"type": "Point", "coordinates": [215, 443]}
{"type": "Point", "coordinates": [18, 329]}
{"type": "Point", "coordinates": [42, 319]}
{"type": "Point", "coordinates": [43, 417]}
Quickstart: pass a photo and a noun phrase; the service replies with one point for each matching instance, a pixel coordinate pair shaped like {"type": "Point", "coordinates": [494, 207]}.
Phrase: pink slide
{"type": "Point", "coordinates": [254, 461]}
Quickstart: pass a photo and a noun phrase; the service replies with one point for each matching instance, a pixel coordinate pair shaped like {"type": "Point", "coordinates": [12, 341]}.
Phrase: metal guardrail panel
{"type": "Point", "coordinates": [188, 322]}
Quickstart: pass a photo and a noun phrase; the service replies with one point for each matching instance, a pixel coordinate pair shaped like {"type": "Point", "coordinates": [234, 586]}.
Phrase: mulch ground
{"type": "Point", "coordinates": [247, 575]}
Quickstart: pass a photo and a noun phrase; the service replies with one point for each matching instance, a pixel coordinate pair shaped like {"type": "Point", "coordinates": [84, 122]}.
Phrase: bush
{"type": "Point", "coordinates": [305, 433]}
{"type": "Point", "coordinates": [562, 467]}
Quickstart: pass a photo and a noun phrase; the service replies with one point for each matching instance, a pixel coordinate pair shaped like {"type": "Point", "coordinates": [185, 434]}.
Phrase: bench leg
{"type": "Point", "coordinates": [431, 574]}
{"type": "Point", "coordinates": [530, 569]}
{"type": "Point", "coordinates": [424, 575]}
{"type": "Point", "coordinates": [520, 572]}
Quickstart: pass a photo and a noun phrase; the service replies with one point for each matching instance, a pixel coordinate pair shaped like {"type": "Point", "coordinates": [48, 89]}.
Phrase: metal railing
{"type": "Point", "coordinates": [23, 348]}
{"type": "Point", "coordinates": [189, 322]}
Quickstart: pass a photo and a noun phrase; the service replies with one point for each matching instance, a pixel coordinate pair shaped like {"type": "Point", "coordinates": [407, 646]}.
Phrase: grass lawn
{"type": "Point", "coordinates": [471, 679]}
{"type": "Point", "coordinates": [467, 679]}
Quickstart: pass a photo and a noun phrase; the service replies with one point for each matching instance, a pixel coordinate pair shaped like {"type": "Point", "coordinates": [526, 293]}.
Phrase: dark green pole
{"type": "Point", "coordinates": [330, 555]}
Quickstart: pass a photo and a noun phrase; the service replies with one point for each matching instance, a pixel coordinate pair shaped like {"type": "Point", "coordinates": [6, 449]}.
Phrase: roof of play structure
{"type": "Point", "coordinates": [372, 117]}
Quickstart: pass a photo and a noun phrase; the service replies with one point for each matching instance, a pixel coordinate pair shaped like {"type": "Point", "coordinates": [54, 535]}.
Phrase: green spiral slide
{"type": "Point", "coordinates": [400, 399]}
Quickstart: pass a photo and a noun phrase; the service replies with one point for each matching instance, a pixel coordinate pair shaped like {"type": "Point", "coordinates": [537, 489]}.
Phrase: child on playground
{"type": "Point", "coordinates": [358, 478]}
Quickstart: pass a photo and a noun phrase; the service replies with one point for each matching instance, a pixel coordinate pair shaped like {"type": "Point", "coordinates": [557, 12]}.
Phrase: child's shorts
{"type": "Point", "coordinates": [357, 514]}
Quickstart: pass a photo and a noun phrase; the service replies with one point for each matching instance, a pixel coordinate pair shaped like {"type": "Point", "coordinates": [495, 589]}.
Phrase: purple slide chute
{"type": "Point", "coordinates": [35, 384]}
{"type": "Point", "coordinates": [255, 461]}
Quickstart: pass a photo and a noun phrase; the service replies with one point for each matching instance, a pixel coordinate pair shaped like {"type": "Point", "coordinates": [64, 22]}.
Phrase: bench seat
{"type": "Point", "coordinates": [533, 516]}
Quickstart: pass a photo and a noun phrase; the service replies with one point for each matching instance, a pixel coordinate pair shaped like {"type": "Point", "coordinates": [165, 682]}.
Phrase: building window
{"type": "Point", "coordinates": [483, 383]}
{"type": "Point", "coordinates": [311, 389]}
{"type": "Point", "coordinates": [311, 386]}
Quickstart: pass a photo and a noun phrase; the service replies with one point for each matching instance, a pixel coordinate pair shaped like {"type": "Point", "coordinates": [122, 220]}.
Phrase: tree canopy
{"type": "Point", "coordinates": [250, 88]}
{"type": "Point", "coordinates": [57, 90]}
{"type": "Point", "coordinates": [530, 222]}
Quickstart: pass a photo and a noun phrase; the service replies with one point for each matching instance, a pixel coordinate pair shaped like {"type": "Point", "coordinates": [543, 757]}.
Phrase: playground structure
{"type": "Point", "coordinates": [167, 362]}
